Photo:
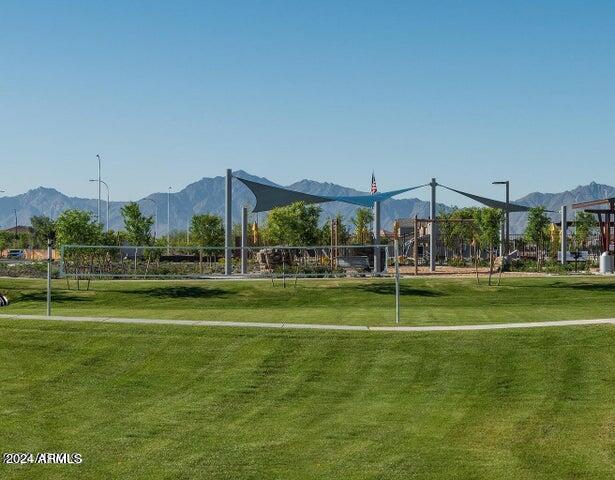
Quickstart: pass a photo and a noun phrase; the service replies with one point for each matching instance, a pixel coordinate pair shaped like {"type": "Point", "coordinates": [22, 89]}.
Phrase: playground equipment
{"type": "Point", "coordinates": [606, 220]}
{"type": "Point", "coordinates": [271, 196]}
{"type": "Point", "coordinates": [606, 223]}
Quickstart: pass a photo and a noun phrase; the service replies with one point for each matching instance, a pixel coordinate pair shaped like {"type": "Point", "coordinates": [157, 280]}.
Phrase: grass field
{"type": "Point", "coordinates": [186, 402]}
{"type": "Point", "coordinates": [424, 301]}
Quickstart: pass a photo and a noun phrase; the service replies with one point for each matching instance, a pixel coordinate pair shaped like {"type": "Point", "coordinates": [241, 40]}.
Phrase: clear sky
{"type": "Point", "coordinates": [169, 92]}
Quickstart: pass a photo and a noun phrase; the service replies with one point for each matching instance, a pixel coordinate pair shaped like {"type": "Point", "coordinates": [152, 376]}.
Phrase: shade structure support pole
{"type": "Point", "coordinates": [228, 223]}
{"type": "Point", "coordinates": [564, 235]}
{"type": "Point", "coordinates": [244, 240]}
{"type": "Point", "coordinates": [502, 237]}
{"type": "Point", "coordinates": [377, 265]}
{"type": "Point", "coordinates": [507, 220]}
{"type": "Point", "coordinates": [49, 260]}
{"type": "Point", "coordinates": [433, 238]}
{"type": "Point", "coordinates": [415, 247]}
{"type": "Point", "coordinates": [396, 252]}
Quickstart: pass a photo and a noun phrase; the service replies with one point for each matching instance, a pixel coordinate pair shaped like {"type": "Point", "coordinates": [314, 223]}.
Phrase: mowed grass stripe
{"type": "Point", "coordinates": [181, 402]}
{"type": "Point", "coordinates": [424, 301]}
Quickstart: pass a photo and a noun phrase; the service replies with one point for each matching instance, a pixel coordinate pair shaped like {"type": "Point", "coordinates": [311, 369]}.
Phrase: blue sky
{"type": "Point", "coordinates": [169, 92]}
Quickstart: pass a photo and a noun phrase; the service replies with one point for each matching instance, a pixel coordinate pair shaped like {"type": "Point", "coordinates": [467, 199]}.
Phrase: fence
{"type": "Point", "coordinates": [465, 252]}
{"type": "Point", "coordinates": [95, 261]}
{"type": "Point", "coordinates": [89, 262]}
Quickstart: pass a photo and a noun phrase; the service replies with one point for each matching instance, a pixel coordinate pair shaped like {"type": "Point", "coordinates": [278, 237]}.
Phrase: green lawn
{"type": "Point", "coordinates": [178, 402]}
{"type": "Point", "coordinates": [424, 301]}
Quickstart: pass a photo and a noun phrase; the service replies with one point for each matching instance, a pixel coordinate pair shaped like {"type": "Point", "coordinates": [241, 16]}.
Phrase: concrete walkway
{"type": "Point", "coordinates": [309, 326]}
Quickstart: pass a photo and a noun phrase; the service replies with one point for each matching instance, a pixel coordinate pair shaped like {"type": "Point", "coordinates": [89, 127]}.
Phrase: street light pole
{"type": "Point", "coordinates": [169, 220]}
{"type": "Point", "coordinates": [507, 216]}
{"type": "Point", "coordinates": [108, 204]}
{"type": "Point", "coordinates": [15, 212]}
{"type": "Point", "coordinates": [98, 210]}
{"type": "Point", "coordinates": [105, 184]}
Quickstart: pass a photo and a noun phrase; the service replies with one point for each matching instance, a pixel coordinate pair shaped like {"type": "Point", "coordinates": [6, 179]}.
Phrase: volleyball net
{"type": "Point", "coordinates": [193, 262]}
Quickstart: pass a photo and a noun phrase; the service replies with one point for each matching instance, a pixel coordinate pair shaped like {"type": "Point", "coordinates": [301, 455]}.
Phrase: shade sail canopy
{"type": "Point", "coordinates": [369, 200]}
{"type": "Point", "coordinates": [269, 196]}
{"type": "Point", "coordinates": [507, 207]}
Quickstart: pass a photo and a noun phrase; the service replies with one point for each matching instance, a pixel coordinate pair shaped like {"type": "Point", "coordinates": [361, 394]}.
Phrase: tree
{"type": "Point", "coordinates": [363, 217]}
{"type": "Point", "coordinates": [138, 226]}
{"type": "Point", "coordinates": [489, 221]}
{"type": "Point", "coordinates": [343, 235]}
{"type": "Point", "coordinates": [76, 227]}
{"type": "Point", "coordinates": [585, 225]}
{"type": "Point", "coordinates": [459, 228]}
{"type": "Point", "coordinates": [295, 225]}
{"type": "Point", "coordinates": [468, 230]}
{"type": "Point", "coordinates": [113, 238]}
{"type": "Point", "coordinates": [446, 230]}
{"type": "Point", "coordinates": [44, 228]}
{"type": "Point", "coordinates": [207, 230]}
{"type": "Point", "coordinates": [537, 230]}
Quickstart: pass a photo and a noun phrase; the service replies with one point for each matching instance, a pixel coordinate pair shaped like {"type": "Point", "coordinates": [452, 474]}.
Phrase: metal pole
{"type": "Point", "coordinates": [107, 187]}
{"type": "Point", "coordinates": [505, 227]}
{"type": "Point", "coordinates": [434, 227]}
{"type": "Point", "coordinates": [396, 253]}
{"type": "Point", "coordinates": [331, 222]}
{"type": "Point", "coordinates": [377, 266]}
{"type": "Point", "coordinates": [98, 205]}
{"type": "Point", "coordinates": [507, 230]}
{"type": "Point", "coordinates": [244, 240]}
{"type": "Point", "coordinates": [49, 254]}
{"type": "Point", "coordinates": [502, 236]}
{"type": "Point", "coordinates": [169, 221]}
{"type": "Point", "coordinates": [564, 235]}
{"type": "Point", "coordinates": [415, 247]}
{"type": "Point", "coordinates": [107, 206]}
{"type": "Point", "coordinates": [228, 224]}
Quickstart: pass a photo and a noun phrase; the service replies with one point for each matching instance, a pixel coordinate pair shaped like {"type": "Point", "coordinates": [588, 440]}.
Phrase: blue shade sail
{"type": "Point", "coordinates": [269, 197]}
{"type": "Point", "coordinates": [507, 207]}
{"type": "Point", "coordinates": [368, 200]}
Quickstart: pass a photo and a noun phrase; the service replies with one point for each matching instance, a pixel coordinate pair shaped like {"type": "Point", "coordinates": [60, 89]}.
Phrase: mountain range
{"type": "Point", "coordinates": [207, 196]}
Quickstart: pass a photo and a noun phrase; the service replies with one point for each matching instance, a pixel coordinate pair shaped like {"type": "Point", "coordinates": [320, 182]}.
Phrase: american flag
{"type": "Point", "coordinates": [374, 188]}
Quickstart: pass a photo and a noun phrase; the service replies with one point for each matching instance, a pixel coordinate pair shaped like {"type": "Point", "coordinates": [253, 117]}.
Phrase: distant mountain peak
{"type": "Point", "coordinates": [207, 196]}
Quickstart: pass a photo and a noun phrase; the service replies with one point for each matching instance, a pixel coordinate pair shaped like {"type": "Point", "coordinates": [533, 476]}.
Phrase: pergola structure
{"type": "Point", "coordinates": [271, 196]}
{"type": "Point", "coordinates": [606, 220]}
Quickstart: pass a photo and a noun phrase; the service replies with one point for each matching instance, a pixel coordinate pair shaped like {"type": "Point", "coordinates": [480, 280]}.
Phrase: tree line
{"type": "Point", "coordinates": [295, 225]}
{"type": "Point", "coordinates": [463, 229]}
{"type": "Point", "coordinates": [480, 228]}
